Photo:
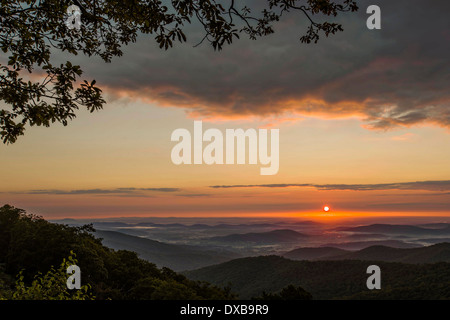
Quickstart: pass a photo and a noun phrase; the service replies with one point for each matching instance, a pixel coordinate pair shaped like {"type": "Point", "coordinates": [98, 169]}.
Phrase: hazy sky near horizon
{"type": "Point", "coordinates": [364, 120]}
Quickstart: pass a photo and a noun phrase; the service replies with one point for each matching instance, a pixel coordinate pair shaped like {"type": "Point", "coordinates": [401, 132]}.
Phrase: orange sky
{"type": "Point", "coordinates": [363, 120]}
{"type": "Point", "coordinates": [79, 170]}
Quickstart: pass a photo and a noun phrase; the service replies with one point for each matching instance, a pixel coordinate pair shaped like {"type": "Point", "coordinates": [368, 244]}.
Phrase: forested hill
{"type": "Point", "coordinates": [34, 245]}
{"type": "Point", "coordinates": [250, 277]}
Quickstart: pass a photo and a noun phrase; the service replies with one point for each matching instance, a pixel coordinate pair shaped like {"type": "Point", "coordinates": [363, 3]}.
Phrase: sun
{"type": "Point", "coordinates": [326, 208]}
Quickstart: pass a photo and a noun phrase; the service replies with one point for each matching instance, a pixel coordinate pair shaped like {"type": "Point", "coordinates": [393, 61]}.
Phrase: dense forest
{"type": "Point", "coordinates": [344, 279]}
{"type": "Point", "coordinates": [34, 252]}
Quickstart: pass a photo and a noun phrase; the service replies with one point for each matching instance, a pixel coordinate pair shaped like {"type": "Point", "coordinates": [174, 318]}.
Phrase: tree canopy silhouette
{"type": "Point", "coordinates": [32, 30]}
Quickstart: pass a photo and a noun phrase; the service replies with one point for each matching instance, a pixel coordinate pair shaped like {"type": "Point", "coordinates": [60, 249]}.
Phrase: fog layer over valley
{"type": "Point", "coordinates": [190, 243]}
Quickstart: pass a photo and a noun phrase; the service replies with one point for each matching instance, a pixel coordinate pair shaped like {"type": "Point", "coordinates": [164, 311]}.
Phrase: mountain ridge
{"type": "Point", "coordinates": [430, 254]}
{"type": "Point", "coordinates": [273, 236]}
{"type": "Point", "coordinates": [399, 229]}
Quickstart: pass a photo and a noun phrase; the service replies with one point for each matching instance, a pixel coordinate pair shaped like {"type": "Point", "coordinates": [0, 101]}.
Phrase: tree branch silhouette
{"type": "Point", "coordinates": [32, 30]}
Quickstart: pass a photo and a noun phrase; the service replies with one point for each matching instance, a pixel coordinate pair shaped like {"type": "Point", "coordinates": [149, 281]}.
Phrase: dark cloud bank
{"type": "Point", "coordinates": [396, 76]}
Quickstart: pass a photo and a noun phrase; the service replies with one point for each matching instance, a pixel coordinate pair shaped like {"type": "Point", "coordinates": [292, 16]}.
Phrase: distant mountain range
{"type": "Point", "coordinates": [358, 245]}
{"type": "Point", "coordinates": [435, 253]}
{"type": "Point", "coordinates": [330, 271]}
{"type": "Point", "coordinates": [270, 237]}
{"type": "Point", "coordinates": [442, 229]}
{"type": "Point", "coordinates": [175, 257]}
{"type": "Point", "coordinates": [314, 253]}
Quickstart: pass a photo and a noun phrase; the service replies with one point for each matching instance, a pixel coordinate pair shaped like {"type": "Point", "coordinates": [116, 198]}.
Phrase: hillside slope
{"type": "Point", "coordinates": [175, 257]}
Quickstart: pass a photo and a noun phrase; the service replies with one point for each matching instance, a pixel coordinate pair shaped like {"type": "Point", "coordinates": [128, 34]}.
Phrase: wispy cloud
{"type": "Point", "coordinates": [116, 191]}
{"type": "Point", "coordinates": [419, 206]}
{"type": "Point", "coordinates": [404, 137]}
{"type": "Point", "coordinates": [194, 195]}
{"type": "Point", "coordinates": [417, 185]}
{"type": "Point", "coordinates": [151, 189]}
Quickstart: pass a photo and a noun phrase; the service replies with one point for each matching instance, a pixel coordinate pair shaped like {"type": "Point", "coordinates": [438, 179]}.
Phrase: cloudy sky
{"type": "Point", "coordinates": [364, 120]}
